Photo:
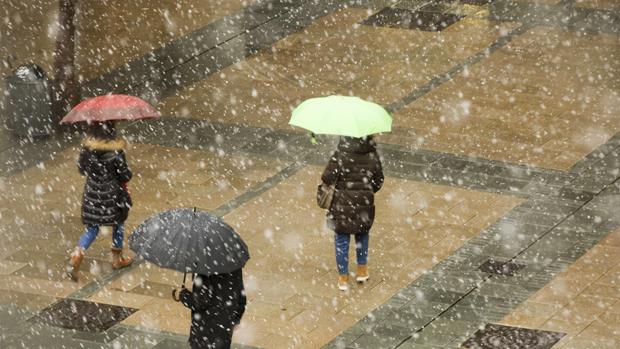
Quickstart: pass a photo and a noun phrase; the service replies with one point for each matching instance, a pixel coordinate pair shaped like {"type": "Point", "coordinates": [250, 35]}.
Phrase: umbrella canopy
{"type": "Point", "coordinates": [109, 108]}
{"type": "Point", "coordinates": [191, 241]}
{"type": "Point", "coordinates": [341, 115]}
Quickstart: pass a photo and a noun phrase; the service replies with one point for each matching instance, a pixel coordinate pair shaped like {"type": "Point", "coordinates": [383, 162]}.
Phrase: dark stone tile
{"type": "Point", "coordinates": [507, 337]}
{"type": "Point", "coordinates": [441, 332]}
{"type": "Point", "coordinates": [418, 157]}
{"type": "Point", "coordinates": [601, 21]}
{"type": "Point", "coordinates": [500, 268]}
{"type": "Point", "coordinates": [571, 194]}
{"type": "Point", "coordinates": [472, 314]}
{"type": "Point", "coordinates": [476, 2]}
{"type": "Point", "coordinates": [407, 19]}
{"type": "Point", "coordinates": [103, 337]}
{"type": "Point", "coordinates": [37, 336]}
{"type": "Point", "coordinates": [172, 344]}
{"type": "Point", "coordinates": [82, 315]}
{"type": "Point", "coordinates": [344, 339]}
{"type": "Point", "coordinates": [484, 301]}
{"type": "Point", "coordinates": [439, 7]}
{"type": "Point", "coordinates": [411, 4]}
{"type": "Point", "coordinates": [383, 336]}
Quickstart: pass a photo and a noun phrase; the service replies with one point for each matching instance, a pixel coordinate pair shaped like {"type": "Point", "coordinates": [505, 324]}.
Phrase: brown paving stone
{"type": "Point", "coordinates": [577, 343]}
{"type": "Point", "coordinates": [607, 327]}
{"type": "Point", "coordinates": [523, 114]}
{"type": "Point", "coordinates": [602, 290]}
{"type": "Point", "coordinates": [165, 315]}
{"type": "Point", "coordinates": [28, 301]}
{"type": "Point", "coordinates": [9, 267]}
{"type": "Point", "coordinates": [577, 303]}
{"type": "Point", "coordinates": [58, 289]}
{"type": "Point", "coordinates": [123, 299]}
{"type": "Point", "coordinates": [610, 5]}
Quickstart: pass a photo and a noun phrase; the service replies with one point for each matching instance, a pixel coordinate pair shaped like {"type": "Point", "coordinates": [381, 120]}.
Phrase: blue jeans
{"type": "Point", "coordinates": [92, 231]}
{"type": "Point", "coordinates": [342, 251]}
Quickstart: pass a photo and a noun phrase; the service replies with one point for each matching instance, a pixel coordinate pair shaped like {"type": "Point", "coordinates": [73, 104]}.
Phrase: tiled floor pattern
{"type": "Point", "coordinates": [131, 29]}
{"type": "Point", "coordinates": [583, 301]}
{"type": "Point", "coordinates": [290, 278]}
{"type": "Point", "coordinates": [416, 217]}
{"type": "Point", "coordinates": [291, 53]}
{"type": "Point", "coordinates": [511, 106]}
{"type": "Point", "coordinates": [546, 99]}
{"type": "Point", "coordinates": [347, 58]}
{"type": "Point", "coordinates": [609, 5]}
{"type": "Point", "coordinates": [547, 233]}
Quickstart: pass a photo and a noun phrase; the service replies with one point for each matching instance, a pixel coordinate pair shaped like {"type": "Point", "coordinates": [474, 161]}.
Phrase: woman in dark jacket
{"type": "Point", "coordinates": [105, 202]}
{"type": "Point", "coordinates": [217, 303]}
{"type": "Point", "coordinates": [356, 170]}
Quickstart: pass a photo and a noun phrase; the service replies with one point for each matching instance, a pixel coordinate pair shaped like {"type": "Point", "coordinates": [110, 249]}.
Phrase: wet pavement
{"type": "Point", "coordinates": [498, 218]}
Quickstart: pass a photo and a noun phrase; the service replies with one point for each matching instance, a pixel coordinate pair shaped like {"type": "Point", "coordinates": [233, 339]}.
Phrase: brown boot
{"type": "Point", "coordinates": [362, 274]}
{"type": "Point", "coordinates": [74, 263]}
{"type": "Point", "coordinates": [118, 261]}
{"type": "Point", "coordinates": [343, 281]}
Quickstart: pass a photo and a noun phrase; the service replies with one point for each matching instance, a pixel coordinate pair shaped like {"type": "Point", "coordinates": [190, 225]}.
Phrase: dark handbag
{"type": "Point", "coordinates": [325, 194]}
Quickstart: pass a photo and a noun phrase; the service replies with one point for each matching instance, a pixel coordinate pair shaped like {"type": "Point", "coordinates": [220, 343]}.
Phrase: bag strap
{"type": "Point", "coordinates": [339, 168]}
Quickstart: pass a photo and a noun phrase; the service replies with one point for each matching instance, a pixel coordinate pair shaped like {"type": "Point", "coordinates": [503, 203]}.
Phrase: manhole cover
{"type": "Point", "coordinates": [408, 19]}
{"type": "Point", "coordinates": [508, 337]}
{"type": "Point", "coordinates": [500, 268]}
{"type": "Point", "coordinates": [82, 315]}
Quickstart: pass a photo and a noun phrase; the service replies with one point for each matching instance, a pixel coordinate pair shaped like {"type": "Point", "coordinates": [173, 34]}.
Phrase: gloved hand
{"type": "Point", "coordinates": [186, 297]}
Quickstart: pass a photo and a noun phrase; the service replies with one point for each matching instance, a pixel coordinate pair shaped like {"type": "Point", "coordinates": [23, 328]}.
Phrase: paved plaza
{"type": "Point", "coordinates": [498, 223]}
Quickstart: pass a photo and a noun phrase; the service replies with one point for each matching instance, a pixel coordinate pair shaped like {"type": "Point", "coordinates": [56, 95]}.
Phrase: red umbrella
{"type": "Point", "coordinates": [109, 108]}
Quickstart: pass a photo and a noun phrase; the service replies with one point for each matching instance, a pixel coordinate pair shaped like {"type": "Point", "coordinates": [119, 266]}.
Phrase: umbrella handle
{"type": "Point", "coordinates": [174, 295]}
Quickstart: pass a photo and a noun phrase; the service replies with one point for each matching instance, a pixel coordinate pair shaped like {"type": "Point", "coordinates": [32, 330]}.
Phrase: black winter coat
{"type": "Point", "coordinates": [356, 169]}
{"type": "Point", "coordinates": [105, 201]}
{"type": "Point", "coordinates": [217, 303]}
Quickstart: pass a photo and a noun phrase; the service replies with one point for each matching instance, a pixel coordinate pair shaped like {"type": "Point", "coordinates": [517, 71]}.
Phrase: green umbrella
{"type": "Point", "coordinates": [341, 115]}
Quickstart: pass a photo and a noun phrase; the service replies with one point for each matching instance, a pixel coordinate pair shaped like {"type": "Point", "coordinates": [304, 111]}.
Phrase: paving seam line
{"type": "Point", "coordinates": [490, 277]}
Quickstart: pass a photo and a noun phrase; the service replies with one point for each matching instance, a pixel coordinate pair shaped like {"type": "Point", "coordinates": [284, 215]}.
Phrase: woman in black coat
{"type": "Point", "coordinates": [217, 303]}
{"type": "Point", "coordinates": [356, 170]}
{"type": "Point", "coordinates": [105, 201]}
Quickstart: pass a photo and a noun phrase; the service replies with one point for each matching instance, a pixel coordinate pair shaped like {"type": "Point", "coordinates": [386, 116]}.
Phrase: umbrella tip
{"type": "Point", "coordinates": [313, 139]}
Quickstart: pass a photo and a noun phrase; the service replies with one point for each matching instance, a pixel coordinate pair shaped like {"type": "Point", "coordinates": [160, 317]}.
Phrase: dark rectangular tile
{"type": "Point", "coordinates": [82, 315]}
{"type": "Point", "coordinates": [508, 337]}
{"type": "Point", "coordinates": [407, 19]}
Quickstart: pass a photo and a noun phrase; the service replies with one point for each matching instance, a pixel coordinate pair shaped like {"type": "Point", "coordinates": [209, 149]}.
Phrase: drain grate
{"type": "Point", "coordinates": [82, 315]}
{"type": "Point", "coordinates": [492, 266]}
{"type": "Point", "coordinates": [507, 337]}
{"type": "Point", "coordinates": [409, 19]}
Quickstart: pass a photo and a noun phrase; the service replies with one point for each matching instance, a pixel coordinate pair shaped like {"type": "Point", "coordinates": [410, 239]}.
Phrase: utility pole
{"type": "Point", "coordinates": [66, 90]}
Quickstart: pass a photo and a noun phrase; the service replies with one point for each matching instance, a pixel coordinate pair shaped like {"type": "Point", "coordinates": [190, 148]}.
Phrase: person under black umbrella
{"type": "Point", "coordinates": [217, 303]}
{"type": "Point", "coordinates": [200, 243]}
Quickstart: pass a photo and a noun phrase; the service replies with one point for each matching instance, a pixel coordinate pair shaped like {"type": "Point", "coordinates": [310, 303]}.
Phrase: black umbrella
{"type": "Point", "coordinates": [190, 241]}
